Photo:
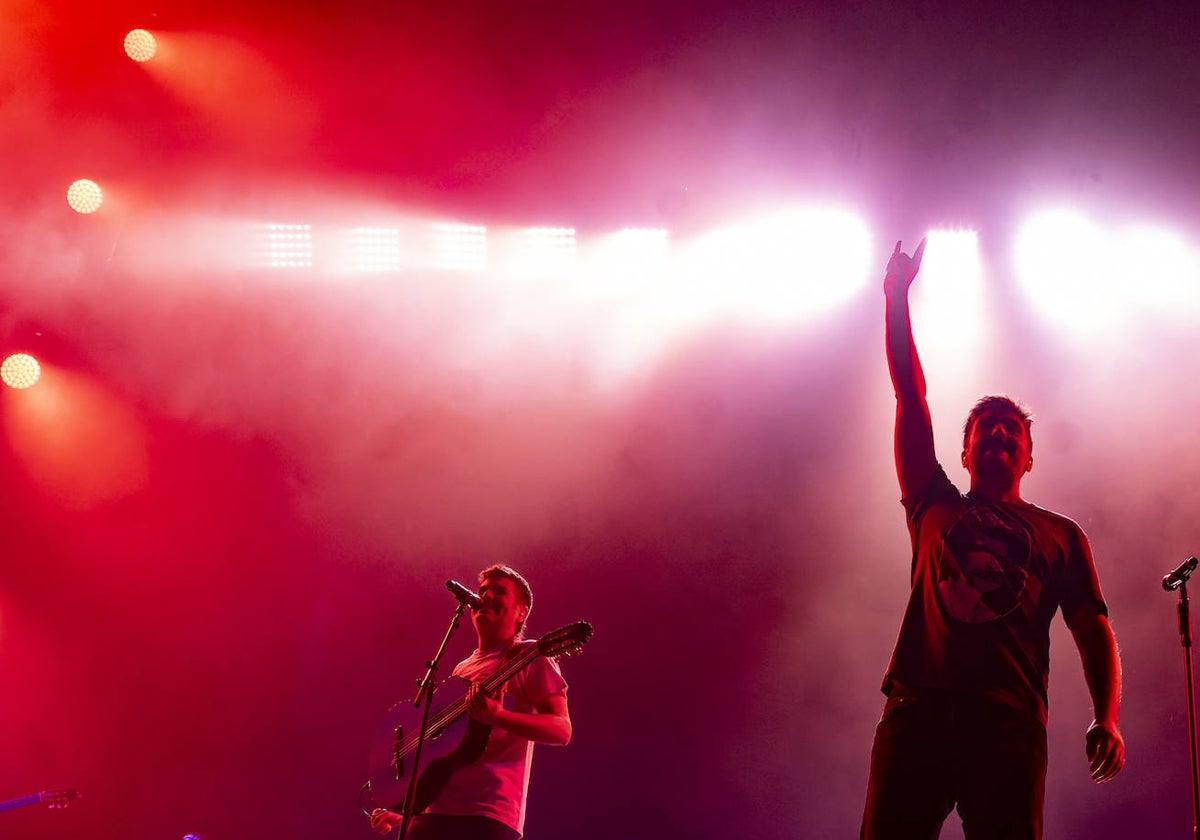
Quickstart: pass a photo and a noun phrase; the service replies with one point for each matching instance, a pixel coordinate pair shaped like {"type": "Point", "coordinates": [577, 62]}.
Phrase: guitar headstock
{"type": "Point", "coordinates": [565, 640]}
{"type": "Point", "coordinates": [58, 798]}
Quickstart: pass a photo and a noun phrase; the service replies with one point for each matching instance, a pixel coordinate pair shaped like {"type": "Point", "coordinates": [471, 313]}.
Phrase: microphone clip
{"type": "Point", "coordinates": [1179, 576]}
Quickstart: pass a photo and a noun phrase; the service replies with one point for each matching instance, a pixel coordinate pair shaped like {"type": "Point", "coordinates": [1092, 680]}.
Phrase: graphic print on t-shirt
{"type": "Point", "coordinates": [984, 566]}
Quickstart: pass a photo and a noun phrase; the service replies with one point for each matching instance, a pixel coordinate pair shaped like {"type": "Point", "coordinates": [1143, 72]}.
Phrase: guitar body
{"type": "Point", "coordinates": [454, 745]}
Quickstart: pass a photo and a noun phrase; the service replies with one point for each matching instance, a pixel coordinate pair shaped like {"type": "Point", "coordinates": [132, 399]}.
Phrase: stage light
{"type": "Point", "coordinates": [640, 248]}
{"type": "Point", "coordinates": [947, 300]}
{"type": "Point", "coordinates": [459, 247]}
{"type": "Point", "coordinates": [546, 250]}
{"type": "Point", "coordinates": [375, 249]}
{"type": "Point", "coordinates": [1064, 264]}
{"type": "Point", "coordinates": [84, 196]}
{"type": "Point", "coordinates": [951, 283]}
{"type": "Point", "coordinates": [1158, 268]}
{"type": "Point", "coordinates": [140, 45]}
{"type": "Point", "coordinates": [288, 246]}
{"type": "Point", "coordinates": [788, 265]}
{"type": "Point", "coordinates": [20, 370]}
{"type": "Point", "coordinates": [625, 262]}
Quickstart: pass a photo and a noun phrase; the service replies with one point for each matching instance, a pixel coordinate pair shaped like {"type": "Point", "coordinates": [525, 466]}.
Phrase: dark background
{"type": "Point", "coordinates": [229, 506]}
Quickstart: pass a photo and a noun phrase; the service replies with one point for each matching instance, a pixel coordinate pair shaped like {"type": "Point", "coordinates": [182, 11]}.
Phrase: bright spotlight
{"type": "Point", "coordinates": [140, 45]}
{"type": "Point", "coordinates": [20, 370]}
{"type": "Point", "coordinates": [641, 247]}
{"type": "Point", "coordinates": [951, 281]}
{"type": "Point", "coordinates": [627, 261]}
{"type": "Point", "coordinates": [375, 249]}
{"type": "Point", "coordinates": [459, 247]}
{"type": "Point", "coordinates": [84, 196]}
{"type": "Point", "coordinates": [948, 301]}
{"type": "Point", "coordinates": [789, 265]}
{"type": "Point", "coordinates": [1064, 265]}
{"type": "Point", "coordinates": [287, 246]}
{"type": "Point", "coordinates": [1160, 268]}
{"type": "Point", "coordinates": [546, 250]}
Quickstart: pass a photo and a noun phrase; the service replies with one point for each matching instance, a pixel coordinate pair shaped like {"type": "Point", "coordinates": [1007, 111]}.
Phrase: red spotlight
{"type": "Point", "coordinates": [20, 370]}
{"type": "Point", "coordinates": [84, 196]}
{"type": "Point", "coordinates": [140, 45]}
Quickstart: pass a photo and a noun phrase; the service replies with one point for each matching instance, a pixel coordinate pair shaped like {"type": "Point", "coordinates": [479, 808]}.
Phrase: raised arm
{"type": "Point", "coordinates": [915, 459]}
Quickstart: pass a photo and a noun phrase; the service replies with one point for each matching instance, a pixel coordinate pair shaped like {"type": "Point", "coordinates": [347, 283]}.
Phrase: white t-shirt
{"type": "Point", "coordinates": [496, 784]}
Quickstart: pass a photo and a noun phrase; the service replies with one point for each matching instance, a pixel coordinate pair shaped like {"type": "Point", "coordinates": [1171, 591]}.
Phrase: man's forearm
{"type": "Point", "coordinates": [1102, 670]}
{"type": "Point", "coordinates": [904, 364]}
{"type": "Point", "coordinates": [540, 728]}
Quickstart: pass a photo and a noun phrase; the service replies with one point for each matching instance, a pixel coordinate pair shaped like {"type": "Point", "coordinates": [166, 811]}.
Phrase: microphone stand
{"type": "Point", "coordinates": [1185, 639]}
{"type": "Point", "coordinates": [425, 689]}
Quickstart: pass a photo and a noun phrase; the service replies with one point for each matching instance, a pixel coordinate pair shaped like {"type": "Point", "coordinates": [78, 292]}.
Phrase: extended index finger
{"type": "Point", "coordinates": [917, 254]}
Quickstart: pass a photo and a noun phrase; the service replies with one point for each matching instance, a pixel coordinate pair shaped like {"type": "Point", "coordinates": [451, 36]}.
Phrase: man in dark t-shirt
{"type": "Point", "coordinates": [964, 722]}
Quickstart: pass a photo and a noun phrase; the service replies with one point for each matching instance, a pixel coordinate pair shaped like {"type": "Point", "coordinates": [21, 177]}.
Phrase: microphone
{"type": "Point", "coordinates": [465, 596]}
{"type": "Point", "coordinates": [1177, 578]}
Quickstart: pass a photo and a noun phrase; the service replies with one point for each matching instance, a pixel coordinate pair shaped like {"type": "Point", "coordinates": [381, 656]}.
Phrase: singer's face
{"type": "Point", "coordinates": [501, 611]}
{"type": "Point", "coordinates": [998, 442]}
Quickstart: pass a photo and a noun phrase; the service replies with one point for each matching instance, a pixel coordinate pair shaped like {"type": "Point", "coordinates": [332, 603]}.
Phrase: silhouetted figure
{"type": "Point", "coordinates": [964, 724]}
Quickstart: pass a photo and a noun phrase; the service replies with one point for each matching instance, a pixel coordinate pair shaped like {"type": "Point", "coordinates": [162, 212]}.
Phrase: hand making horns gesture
{"type": "Point", "coordinates": [902, 269]}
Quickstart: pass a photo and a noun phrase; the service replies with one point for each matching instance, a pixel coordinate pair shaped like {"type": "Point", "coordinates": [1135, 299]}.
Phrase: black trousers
{"type": "Point", "coordinates": [935, 750]}
{"type": "Point", "coordinates": [455, 827]}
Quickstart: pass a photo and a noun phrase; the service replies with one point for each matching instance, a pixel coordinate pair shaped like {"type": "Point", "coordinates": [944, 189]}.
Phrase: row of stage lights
{"type": "Point", "coordinates": [1061, 257]}
{"type": "Point", "coordinates": [85, 196]}
{"type": "Point", "coordinates": [1048, 248]}
{"type": "Point", "coordinates": [1056, 250]}
{"type": "Point", "coordinates": [812, 258]}
{"type": "Point", "coordinates": [21, 370]}
{"type": "Point", "coordinates": [438, 245]}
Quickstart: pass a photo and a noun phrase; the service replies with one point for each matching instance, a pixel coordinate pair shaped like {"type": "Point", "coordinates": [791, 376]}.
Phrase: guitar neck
{"type": "Point", "coordinates": [506, 672]}
{"type": "Point", "coordinates": [403, 739]}
{"type": "Point", "coordinates": [510, 669]}
{"type": "Point", "coordinates": [20, 802]}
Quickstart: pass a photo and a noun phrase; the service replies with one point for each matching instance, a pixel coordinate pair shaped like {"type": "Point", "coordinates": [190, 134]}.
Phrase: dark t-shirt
{"type": "Point", "coordinates": [987, 578]}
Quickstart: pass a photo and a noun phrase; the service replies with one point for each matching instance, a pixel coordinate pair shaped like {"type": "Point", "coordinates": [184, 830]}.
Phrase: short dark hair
{"type": "Point", "coordinates": [500, 570]}
{"type": "Point", "coordinates": [1003, 403]}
